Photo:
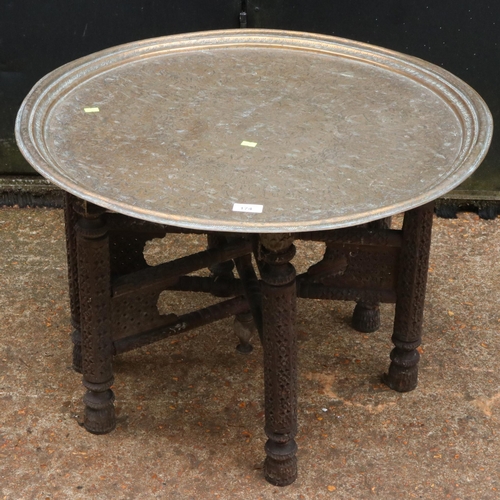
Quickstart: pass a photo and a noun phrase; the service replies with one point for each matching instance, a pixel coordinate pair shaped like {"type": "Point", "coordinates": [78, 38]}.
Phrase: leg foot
{"type": "Point", "coordinates": [366, 317]}
{"type": "Point", "coordinates": [403, 370]}
{"type": "Point", "coordinates": [99, 410]}
{"type": "Point", "coordinates": [280, 466]}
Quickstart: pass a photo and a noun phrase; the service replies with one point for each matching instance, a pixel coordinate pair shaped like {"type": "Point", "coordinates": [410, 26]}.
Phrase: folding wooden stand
{"type": "Point", "coordinates": [114, 296]}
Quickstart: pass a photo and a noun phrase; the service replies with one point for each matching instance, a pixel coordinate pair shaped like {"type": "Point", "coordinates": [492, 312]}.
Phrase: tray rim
{"type": "Point", "coordinates": [468, 106]}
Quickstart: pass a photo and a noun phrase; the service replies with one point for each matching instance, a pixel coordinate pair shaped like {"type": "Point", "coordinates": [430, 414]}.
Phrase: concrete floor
{"type": "Point", "coordinates": [190, 411]}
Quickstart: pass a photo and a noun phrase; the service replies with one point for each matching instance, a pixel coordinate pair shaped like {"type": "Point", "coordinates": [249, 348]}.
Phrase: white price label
{"type": "Point", "coordinates": [246, 207]}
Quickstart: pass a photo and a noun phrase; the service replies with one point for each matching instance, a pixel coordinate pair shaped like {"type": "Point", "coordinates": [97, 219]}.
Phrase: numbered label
{"type": "Point", "coordinates": [246, 207]}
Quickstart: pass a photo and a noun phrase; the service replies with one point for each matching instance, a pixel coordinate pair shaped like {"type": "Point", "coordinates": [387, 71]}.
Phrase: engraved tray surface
{"type": "Point", "coordinates": [345, 132]}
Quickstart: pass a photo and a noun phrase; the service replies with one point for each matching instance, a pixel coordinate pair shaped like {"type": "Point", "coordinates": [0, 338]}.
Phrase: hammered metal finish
{"type": "Point", "coordinates": [335, 132]}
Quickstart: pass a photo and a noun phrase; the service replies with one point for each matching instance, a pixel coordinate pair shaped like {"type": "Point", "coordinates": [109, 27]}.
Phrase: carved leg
{"type": "Point", "coordinates": [366, 315]}
{"type": "Point", "coordinates": [412, 280]}
{"type": "Point", "coordinates": [244, 328]}
{"type": "Point", "coordinates": [280, 358]}
{"type": "Point", "coordinates": [222, 269]}
{"type": "Point", "coordinates": [70, 219]}
{"type": "Point", "coordinates": [95, 295]}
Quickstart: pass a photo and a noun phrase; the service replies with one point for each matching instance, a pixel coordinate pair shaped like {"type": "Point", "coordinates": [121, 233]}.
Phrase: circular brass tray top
{"type": "Point", "coordinates": [254, 130]}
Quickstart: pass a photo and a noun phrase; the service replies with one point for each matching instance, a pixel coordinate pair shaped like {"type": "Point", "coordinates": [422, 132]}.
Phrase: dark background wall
{"type": "Point", "coordinates": [462, 36]}
{"type": "Point", "coordinates": [37, 36]}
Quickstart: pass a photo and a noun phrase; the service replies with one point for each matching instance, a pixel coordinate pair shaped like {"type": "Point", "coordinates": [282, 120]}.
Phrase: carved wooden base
{"type": "Point", "coordinates": [111, 286]}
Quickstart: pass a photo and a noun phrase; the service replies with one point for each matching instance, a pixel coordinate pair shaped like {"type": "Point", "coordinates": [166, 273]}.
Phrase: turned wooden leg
{"type": "Point", "coordinates": [95, 296]}
{"type": "Point", "coordinates": [244, 328]}
{"type": "Point", "coordinates": [70, 221]}
{"type": "Point", "coordinates": [366, 315]}
{"type": "Point", "coordinates": [222, 270]}
{"type": "Point", "coordinates": [412, 280]}
{"type": "Point", "coordinates": [280, 358]}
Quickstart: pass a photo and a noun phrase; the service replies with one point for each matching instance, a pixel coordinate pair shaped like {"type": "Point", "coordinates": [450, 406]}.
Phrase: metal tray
{"type": "Point", "coordinates": [254, 130]}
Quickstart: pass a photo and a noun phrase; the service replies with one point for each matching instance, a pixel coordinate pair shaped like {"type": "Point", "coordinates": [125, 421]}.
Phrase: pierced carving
{"type": "Point", "coordinates": [127, 251]}
{"type": "Point", "coordinates": [70, 220]}
{"type": "Point", "coordinates": [280, 361]}
{"type": "Point", "coordinates": [414, 262]}
{"type": "Point", "coordinates": [388, 268]}
{"type": "Point", "coordinates": [366, 317]}
{"type": "Point", "coordinates": [95, 292]}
